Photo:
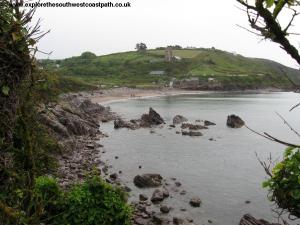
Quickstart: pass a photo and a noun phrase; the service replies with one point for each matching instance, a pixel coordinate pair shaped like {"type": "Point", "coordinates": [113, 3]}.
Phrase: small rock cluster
{"type": "Point", "coordinates": [146, 121]}
{"type": "Point", "coordinates": [145, 214]}
{"type": "Point", "coordinates": [179, 119]}
{"type": "Point", "coordinates": [189, 129]}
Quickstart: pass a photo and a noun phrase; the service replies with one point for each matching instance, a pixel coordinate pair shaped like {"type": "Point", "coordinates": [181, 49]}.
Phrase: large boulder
{"type": "Point", "coordinates": [234, 121]}
{"type": "Point", "coordinates": [147, 180]}
{"type": "Point", "coordinates": [179, 119]}
{"type": "Point", "coordinates": [152, 118]}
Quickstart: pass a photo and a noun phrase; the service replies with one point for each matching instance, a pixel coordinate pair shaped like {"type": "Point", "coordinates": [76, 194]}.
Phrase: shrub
{"type": "Point", "coordinates": [284, 184]}
{"type": "Point", "coordinates": [92, 203]}
{"type": "Point", "coordinates": [48, 198]}
{"type": "Point", "coordinates": [96, 203]}
{"type": "Point", "coordinates": [47, 188]}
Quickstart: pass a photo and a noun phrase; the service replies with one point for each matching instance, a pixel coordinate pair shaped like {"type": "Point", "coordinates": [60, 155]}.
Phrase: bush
{"type": "Point", "coordinates": [48, 197]}
{"type": "Point", "coordinates": [284, 185]}
{"type": "Point", "coordinates": [92, 203]}
{"type": "Point", "coordinates": [47, 189]}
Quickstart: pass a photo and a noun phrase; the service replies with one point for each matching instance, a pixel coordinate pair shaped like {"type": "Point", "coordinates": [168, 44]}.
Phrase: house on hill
{"type": "Point", "coordinates": [169, 57]}
{"type": "Point", "coordinates": [168, 54]}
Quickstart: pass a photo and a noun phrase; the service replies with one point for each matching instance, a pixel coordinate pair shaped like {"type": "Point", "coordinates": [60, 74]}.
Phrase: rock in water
{"type": "Point", "coordinates": [166, 193]}
{"type": "Point", "coordinates": [234, 121]}
{"type": "Point", "coordinates": [119, 123]}
{"type": "Point", "coordinates": [164, 209]}
{"type": "Point", "coordinates": [113, 176]}
{"type": "Point", "coordinates": [147, 180]}
{"type": "Point", "coordinates": [192, 133]}
{"type": "Point", "coordinates": [195, 202]}
{"type": "Point", "coordinates": [157, 196]}
{"type": "Point", "coordinates": [208, 123]}
{"type": "Point", "coordinates": [179, 119]}
{"type": "Point", "coordinates": [143, 197]}
{"type": "Point", "coordinates": [250, 220]}
{"type": "Point", "coordinates": [178, 220]}
{"type": "Point", "coordinates": [177, 184]}
{"type": "Point", "coordinates": [192, 126]}
{"type": "Point", "coordinates": [152, 118]}
{"type": "Point", "coordinates": [155, 117]}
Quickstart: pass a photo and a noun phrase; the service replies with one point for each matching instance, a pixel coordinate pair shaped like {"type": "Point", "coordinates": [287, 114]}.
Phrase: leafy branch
{"type": "Point", "coordinates": [263, 18]}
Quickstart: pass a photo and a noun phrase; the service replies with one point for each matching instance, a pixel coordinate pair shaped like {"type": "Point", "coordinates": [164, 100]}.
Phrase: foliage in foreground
{"type": "Point", "coordinates": [284, 184]}
{"type": "Point", "coordinates": [93, 202]}
{"type": "Point", "coordinates": [264, 17]}
{"type": "Point", "coordinates": [27, 197]}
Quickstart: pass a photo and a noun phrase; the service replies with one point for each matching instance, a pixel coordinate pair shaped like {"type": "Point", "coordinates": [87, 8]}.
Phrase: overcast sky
{"type": "Point", "coordinates": [199, 23]}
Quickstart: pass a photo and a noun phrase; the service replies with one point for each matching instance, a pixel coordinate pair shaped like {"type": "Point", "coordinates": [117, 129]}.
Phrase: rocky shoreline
{"type": "Point", "coordinates": [74, 121]}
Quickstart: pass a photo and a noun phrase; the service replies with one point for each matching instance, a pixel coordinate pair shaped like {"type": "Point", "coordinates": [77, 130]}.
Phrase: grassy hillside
{"type": "Point", "coordinates": [133, 69]}
{"type": "Point", "coordinates": [51, 85]}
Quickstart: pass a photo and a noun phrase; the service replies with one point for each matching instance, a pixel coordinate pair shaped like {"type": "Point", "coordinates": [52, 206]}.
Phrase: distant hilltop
{"type": "Point", "coordinates": [188, 68]}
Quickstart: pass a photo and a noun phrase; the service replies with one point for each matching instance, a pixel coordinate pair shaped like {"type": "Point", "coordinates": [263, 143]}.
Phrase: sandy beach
{"type": "Point", "coordinates": [117, 94]}
{"type": "Point", "coordinates": [124, 93]}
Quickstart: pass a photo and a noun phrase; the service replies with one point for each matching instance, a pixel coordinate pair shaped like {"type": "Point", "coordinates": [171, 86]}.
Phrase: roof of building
{"type": "Point", "coordinates": [157, 72]}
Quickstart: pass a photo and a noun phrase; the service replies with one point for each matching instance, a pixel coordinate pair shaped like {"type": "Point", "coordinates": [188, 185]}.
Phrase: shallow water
{"type": "Point", "coordinates": [223, 173]}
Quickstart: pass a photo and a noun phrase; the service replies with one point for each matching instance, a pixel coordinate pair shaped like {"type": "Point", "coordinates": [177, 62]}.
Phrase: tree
{"type": "Point", "coordinates": [88, 55]}
{"type": "Point", "coordinates": [264, 19]}
{"type": "Point", "coordinates": [141, 47]}
{"type": "Point", "coordinates": [284, 178]}
{"type": "Point", "coordinates": [27, 196]}
{"type": "Point", "coordinates": [175, 47]}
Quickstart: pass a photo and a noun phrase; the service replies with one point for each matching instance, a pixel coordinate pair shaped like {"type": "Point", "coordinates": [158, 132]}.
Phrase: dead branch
{"type": "Point", "coordinates": [285, 122]}
{"type": "Point", "coordinates": [271, 138]}
{"type": "Point", "coordinates": [295, 106]}
{"type": "Point", "coordinates": [267, 166]}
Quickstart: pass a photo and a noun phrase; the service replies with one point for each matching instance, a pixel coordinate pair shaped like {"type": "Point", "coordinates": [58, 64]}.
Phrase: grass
{"type": "Point", "coordinates": [132, 68]}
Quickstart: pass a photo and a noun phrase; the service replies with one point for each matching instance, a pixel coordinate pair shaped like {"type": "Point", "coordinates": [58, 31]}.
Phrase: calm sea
{"type": "Point", "coordinates": [224, 173]}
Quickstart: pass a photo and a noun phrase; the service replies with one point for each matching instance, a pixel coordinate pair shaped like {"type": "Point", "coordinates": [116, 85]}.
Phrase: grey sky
{"type": "Point", "coordinates": [199, 23]}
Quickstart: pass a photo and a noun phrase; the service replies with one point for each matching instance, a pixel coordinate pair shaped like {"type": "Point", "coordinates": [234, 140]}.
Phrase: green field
{"type": "Point", "coordinates": [133, 68]}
